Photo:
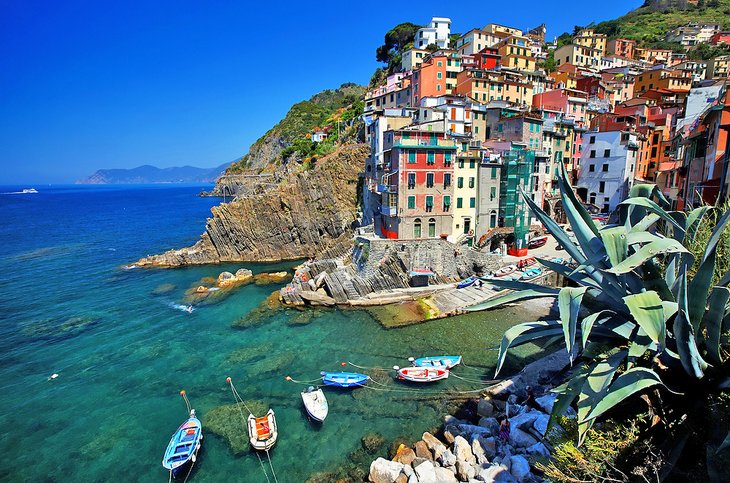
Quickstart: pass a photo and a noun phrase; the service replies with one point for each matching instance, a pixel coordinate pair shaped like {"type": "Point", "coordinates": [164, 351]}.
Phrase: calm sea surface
{"type": "Point", "coordinates": [123, 349]}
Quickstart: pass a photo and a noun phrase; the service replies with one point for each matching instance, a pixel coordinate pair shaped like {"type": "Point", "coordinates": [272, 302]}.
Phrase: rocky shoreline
{"type": "Point", "coordinates": [472, 450]}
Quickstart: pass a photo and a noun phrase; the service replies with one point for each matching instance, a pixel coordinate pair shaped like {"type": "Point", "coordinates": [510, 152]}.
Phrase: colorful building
{"type": "Point", "coordinates": [621, 47]}
{"type": "Point", "coordinates": [589, 38]}
{"type": "Point", "coordinates": [717, 68]}
{"type": "Point", "coordinates": [437, 76]}
{"type": "Point", "coordinates": [579, 55]}
{"type": "Point", "coordinates": [661, 78]}
{"type": "Point", "coordinates": [437, 33]}
{"type": "Point", "coordinates": [516, 54]}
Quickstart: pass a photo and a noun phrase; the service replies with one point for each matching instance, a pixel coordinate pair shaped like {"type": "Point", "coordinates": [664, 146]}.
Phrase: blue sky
{"type": "Point", "coordinates": [86, 85]}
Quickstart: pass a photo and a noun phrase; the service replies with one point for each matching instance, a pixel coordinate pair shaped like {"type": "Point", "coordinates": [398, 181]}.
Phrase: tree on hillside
{"type": "Point", "coordinates": [395, 39]}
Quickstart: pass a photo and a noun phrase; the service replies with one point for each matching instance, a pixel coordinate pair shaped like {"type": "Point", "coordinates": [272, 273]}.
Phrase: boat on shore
{"type": "Point", "coordinates": [344, 379]}
{"type": "Point", "coordinates": [527, 262]}
{"type": "Point", "coordinates": [505, 271]}
{"type": "Point", "coordinates": [467, 282]}
{"type": "Point", "coordinates": [436, 361]}
{"type": "Point", "coordinates": [422, 374]}
{"type": "Point", "coordinates": [531, 273]}
{"type": "Point", "coordinates": [182, 450]}
{"type": "Point", "coordinates": [262, 432]}
{"type": "Point", "coordinates": [315, 403]}
{"type": "Point", "coordinates": [537, 242]}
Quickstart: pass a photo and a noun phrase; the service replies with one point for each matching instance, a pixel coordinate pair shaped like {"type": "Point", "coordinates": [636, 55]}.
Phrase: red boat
{"type": "Point", "coordinates": [423, 374]}
{"type": "Point", "coordinates": [527, 262]}
{"type": "Point", "coordinates": [505, 271]}
{"type": "Point", "coordinates": [537, 242]}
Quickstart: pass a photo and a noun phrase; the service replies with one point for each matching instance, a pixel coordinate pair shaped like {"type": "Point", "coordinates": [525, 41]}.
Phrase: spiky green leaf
{"type": "Point", "coordinates": [712, 321]}
{"type": "Point", "coordinates": [524, 333]}
{"type": "Point", "coordinates": [630, 382]}
{"type": "Point", "coordinates": [654, 208]}
{"type": "Point", "coordinates": [648, 312]}
{"type": "Point", "coordinates": [569, 300]}
{"type": "Point", "coordinates": [647, 252]}
{"type": "Point", "coordinates": [588, 322]}
{"type": "Point", "coordinates": [616, 242]}
{"type": "Point", "coordinates": [684, 334]}
{"type": "Point", "coordinates": [510, 298]}
{"type": "Point", "coordinates": [594, 389]}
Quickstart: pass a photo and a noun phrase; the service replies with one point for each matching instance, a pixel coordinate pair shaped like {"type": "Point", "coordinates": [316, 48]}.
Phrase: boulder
{"type": "Point", "coordinates": [546, 402]}
{"type": "Point", "coordinates": [495, 474]}
{"type": "Point", "coordinates": [541, 424]}
{"type": "Point", "coordinates": [449, 435]}
{"type": "Point", "coordinates": [404, 455]}
{"type": "Point", "coordinates": [478, 451]}
{"type": "Point", "coordinates": [524, 421]}
{"type": "Point", "coordinates": [426, 472]}
{"type": "Point", "coordinates": [408, 470]}
{"type": "Point", "coordinates": [538, 449]}
{"type": "Point", "coordinates": [447, 458]}
{"type": "Point", "coordinates": [266, 278]}
{"type": "Point", "coordinates": [468, 430]}
{"type": "Point", "coordinates": [436, 446]}
{"type": "Point", "coordinates": [519, 468]}
{"type": "Point", "coordinates": [462, 450]}
{"type": "Point", "coordinates": [465, 471]}
{"type": "Point", "coordinates": [490, 447]}
{"type": "Point", "coordinates": [491, 424]}
{"type": "Point", "coordinates": [402, 478]}
{"type": "Point", "coordinates": [444, 475]}
{"type": "Point", "coordinates": [384, 471]}
{"type": "Point", "coordinates": [452, 420]}
{"type": "Point", "coordinates": [485, 408]}
{"type": "Point", "coordinates": [422, 450]}
{"type": "Point", "coordinates": [521, 439]}
{"type": "Point", "coordinates": [418, 461]}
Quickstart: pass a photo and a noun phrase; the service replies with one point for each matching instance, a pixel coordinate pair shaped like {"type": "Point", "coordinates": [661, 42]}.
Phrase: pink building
{"type": "Point", "coordinates": [571, 102]}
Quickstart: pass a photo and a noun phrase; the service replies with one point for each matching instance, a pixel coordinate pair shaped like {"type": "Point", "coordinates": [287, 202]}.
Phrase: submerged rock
{"type": "Point", "coordinates": [163, 289]}
{"type": "Point", "coordinates": [59, 328]}
{"type": "Point", "coordinates": [225, 421]}
{"type": "Point", "coordinates": [267, 278]}
{"type": "Point", "coordinates": [249, 354]}
{"type": "Point", "coordinates": [372, 442]}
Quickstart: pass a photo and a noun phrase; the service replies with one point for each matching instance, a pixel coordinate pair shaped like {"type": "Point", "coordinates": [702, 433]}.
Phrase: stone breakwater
{"type": "Point", "coordinates": [308, 213]}
{"type": "Point", "coordinates": [471, 450]}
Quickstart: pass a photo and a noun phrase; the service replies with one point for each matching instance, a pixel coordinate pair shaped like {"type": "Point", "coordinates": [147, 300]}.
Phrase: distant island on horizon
{"type": "Point", "coordinates": [151, 174]}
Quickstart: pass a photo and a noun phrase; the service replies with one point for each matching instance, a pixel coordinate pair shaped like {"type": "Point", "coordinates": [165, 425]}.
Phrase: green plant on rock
{"type": "Point", "coordinates": [650, 325]}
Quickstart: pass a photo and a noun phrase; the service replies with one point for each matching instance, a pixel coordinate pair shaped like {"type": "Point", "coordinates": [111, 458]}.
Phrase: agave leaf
{"type": "Point", "coordinates": [625, 385]}
{"type": "Point", "coordinates": [654, 208]}
{"type": "Point", "coordinates": [588, 322]}
{"type": "Point", "coordinates": [670, 308]}
{"type": "Point", "coordinates": [680, 218]}
{"type": "Point", "coordinates": [616, 242]}
{"type": "Point", "coordinates": [694, 218]}
{"type": "Point", "coordinates": [634, 237]}
{"type": "Point", "coordinates": [647, 190]}
{"type": "Point", "coordinates": [725, 444]}
{"type": "Point", "coordinates": [658, 247]}
{"type": "Point", "coordinates": [670, 273]}
{"type": "Point", "coordinates": [569, 300]}
{"type": "Point", "coordinates": [568, 192]}
{"type": "Point", "coordinates": [509, 298]}
{"type": "Point", "coordinates": [645, 223]}
{"type": "Point", "coordinates": [647, 310]}
{"type": "Point", "coordinates": [586, 233]}
{"type": "Point", "coordinates": [567, 392]}
{"type": "Point", "coordinates": [567, 272]}
{"type": "Point", "coordinates": [526, 332]}
{"type": "Point", "coordinates": [593, 390]}
{"type": "Point", "coordinates": [638, 346]}
{"type": "Point", "coordinates": [520, 285]}
{"type": "Point", "coordinates": [683, 332]}
{"type": "Point", "coordinates": [713, 322]}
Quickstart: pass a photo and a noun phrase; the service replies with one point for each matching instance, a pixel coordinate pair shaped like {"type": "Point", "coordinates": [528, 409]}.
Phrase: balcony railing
{"type": "Point", "coordinates": [388, 210]}
{"type": "Point", "coordinates": [425, 143]}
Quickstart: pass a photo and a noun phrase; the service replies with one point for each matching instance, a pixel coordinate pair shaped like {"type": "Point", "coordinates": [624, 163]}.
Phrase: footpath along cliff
{"type": "Point", "coordinates": [309, 212]}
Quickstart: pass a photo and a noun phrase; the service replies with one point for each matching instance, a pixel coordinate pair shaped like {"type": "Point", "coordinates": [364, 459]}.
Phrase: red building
{"type": "Point", "coordinates": [621, 47]}
{"type": "Point", "coordinates": [488, 59]}
{"type": "Point", "coordinates": [416, 201]}
{"type": "Point", "coordinates": [720, 38]}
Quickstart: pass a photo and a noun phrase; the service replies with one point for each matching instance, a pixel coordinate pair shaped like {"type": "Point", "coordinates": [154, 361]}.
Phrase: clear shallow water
{"type": "Point", "coordinates": [123, 352]}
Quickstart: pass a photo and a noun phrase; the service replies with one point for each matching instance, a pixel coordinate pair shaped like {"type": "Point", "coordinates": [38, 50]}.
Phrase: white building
{"type": "Point", "coordinates": [437, 33]}
{"type": "Point", "coordinates": [606, 171]}
{"type": "Point", "coordinates": [692, 34]}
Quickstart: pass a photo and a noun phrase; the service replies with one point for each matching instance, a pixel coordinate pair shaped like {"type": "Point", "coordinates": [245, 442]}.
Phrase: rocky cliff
{"type": "Point", "coordinates": [306, 213]}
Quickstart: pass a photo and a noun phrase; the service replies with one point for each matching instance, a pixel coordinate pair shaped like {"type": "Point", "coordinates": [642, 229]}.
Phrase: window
{"type": "Point", "coordinates": [417, 228]}
{"type": "Point", "coordinates": [605, 168]}
{"type": "Point", "coordinates": [447, 158]}
{"type": "Point", "coordinates": [459, 203]}
{"type": "Point", "coordinates": [429, 180]}
{"type": "Point", "coordinates": [429, 203]}
{"type": "Point", "coordinates": [447, 202]}
{"type": "Point", "coordinates": [438, 75]}
{"type": "Point", "coordinates": [492, 193]}
{"type": "Point", "coordinates": [493, 219]}
{"type": "Point", "coordinates": [411, 202]}
{"type": "Point", "coordinates": [591, 168]}
{"type": "Point", "coordinates": [460, 163]}
{"type": "Point", "coordinates": [471, 164]}
{"type": "Point", "coordinates": [430, 158]}
{"type": "Point", "coordinates": [592, 154]}
{"type": "Point", "coordinates": [447, 180]}
{"type": "Point", "coordinates": [412, 156]}
{"type": "Point", "coordinates": [459, 182]}
{"type": "Point", "coordinates": [471, 182]}
{"type": "Point", "coordinates": [411, 180]}
{"type": "Point", "coordinates": [432, 227]}
{"type": "Point", "coordinates": [494, 173]}
{"type": "Point", "coordinates": [607, 153]}
{"type": "Point", "coordinates": [593, 139]}
{"type": "Point", "coordinates": [624, 136]}
{"type": "Point", "coordinates": [601, 186]}
{"type": "Point", "coordinates": [472, 202]}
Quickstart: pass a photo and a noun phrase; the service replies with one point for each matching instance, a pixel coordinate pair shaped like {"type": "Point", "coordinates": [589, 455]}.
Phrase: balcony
{"type": "Point", "coordinates": [425, 143]}
{"type": "Point", "coordinates": [388, 210]}
{"type": "Point", "coordinates": [387, 188]}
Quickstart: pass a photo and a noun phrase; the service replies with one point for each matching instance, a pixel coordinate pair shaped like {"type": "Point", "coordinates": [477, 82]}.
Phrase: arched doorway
{"type": "Point", "coordinates": [417, 228]}
{"type": "Point", "coordinates": [432, 228]}
{"type": "Point", "coordinates": [493, 219]}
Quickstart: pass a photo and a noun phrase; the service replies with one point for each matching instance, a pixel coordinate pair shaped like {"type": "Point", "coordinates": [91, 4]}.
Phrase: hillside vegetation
{"type": "Point", "coordinates": [298, 124]}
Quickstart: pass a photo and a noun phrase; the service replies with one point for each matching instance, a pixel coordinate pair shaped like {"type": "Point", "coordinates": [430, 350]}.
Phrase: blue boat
{"type": "Point", "coordinates": [184, 445]}
{"type": "Point", "coordinates": [467, 282]}
{"type": "Point", "coordinates": [344, 379]}
{"type": "Point", "coordinates": [436, 361]}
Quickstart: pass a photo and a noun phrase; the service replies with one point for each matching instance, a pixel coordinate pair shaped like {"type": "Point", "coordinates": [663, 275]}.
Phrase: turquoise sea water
{"type": "Point", "coordinates": [123, 351]}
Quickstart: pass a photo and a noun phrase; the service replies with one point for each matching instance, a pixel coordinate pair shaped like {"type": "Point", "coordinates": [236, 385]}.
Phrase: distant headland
{"type": "Point", "coordinates": [151, 174]}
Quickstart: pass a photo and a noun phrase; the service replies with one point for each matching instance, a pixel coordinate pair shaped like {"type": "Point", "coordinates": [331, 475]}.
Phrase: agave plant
{"type": "Point", "coordinates": [634, 317]}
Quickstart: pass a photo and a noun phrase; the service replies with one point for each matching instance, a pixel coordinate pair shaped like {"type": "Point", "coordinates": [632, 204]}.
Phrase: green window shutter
{"type": "Point", "coordinates": [459, 203]}
{"type": "Point", "coordinates": [430, 157]}
{"type": "Point", "coordinates": [459, 182]}
{"type": "Point", "coordinates": [406, 135]}
{"type": "Point", "coordinates": [447, 202]}
{"type": "Point", "coordinates": [429, 201]}
{"type": "Point", "coordinates": [492, 193]}
{"type": "Point", "coordinates": [411, 202]}
{"type": "Point", "coordinates": [471, 182]}
{"type": "Point", "coordinates": [494, 173]}
{"type": "Point", "coordinates": [471, 164]}
{"type": "Point", "coordinates": [412, 156]}
{"type": "Point", "coordinates": [472, 202]}
{"type": "Point", "coordinates": [447, 156]}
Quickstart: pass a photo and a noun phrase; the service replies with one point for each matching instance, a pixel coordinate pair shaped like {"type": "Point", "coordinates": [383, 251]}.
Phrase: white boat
{"type": "Point", "coordinates": [315, 403]}
{"type": "Point", "coordinates": [29, 190]}
{"type": "Point", "coordinates": [422, 374]}
{"type": "Point", "coordinates": [262, 432]}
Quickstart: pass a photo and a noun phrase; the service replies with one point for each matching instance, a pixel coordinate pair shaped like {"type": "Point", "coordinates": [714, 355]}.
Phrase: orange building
{"type": "Point", "coordinates": [436, 76]}
{"type": "Point", "coordinates": [671, 80]}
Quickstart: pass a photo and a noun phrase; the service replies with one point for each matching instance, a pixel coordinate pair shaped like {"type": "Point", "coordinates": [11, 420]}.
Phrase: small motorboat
{"type": "Point", "coordinates": [531, 273]}
{"type": "Point", "coordinates": [537, 242]}
{"type": "Point", "coordinates": [28, 191]}
{"type": "Point", "coordinates": [436, 361]}
{"type": "Point", "coordinates": [467, 282]}
{"type": "Point", "coordinates": [262, 432]}
{"type": "Point", "coordinates": [422, 374]}
{"type": "Point", "coordinates": [559, 260]}
{"type": "Point", "coordinates": [505, 270]}
{"type": "Point", "coordinates": [184, 445]}
{"type": "Point", "coordinates": [344, 379]}
{"type": "Point", "coordinates": [527, 262]}
{"type": "Point", "coordinates": [315, 403]}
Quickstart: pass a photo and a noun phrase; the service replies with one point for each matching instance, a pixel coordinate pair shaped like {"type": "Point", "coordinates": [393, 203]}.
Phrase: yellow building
{"type": "Point", "coordinates": [588, 38]}
{"type": "Point", "coordinates": [718, 68]}
{"type": "Point", "coordinates": [579, 55]}
{"type": "Point", "coordinates": [494, 28]}
{"type": "Point", "coordinates": [484, 86]}
{"type": "Point", "coordinates": [516, 54]}
{"type": "Point", "coordinates": [465, 192]}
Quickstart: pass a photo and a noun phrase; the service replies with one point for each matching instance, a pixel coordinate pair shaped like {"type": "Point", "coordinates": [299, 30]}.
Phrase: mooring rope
{"type": "Point", "coordinates": [289, 378]}
{"type": "Point", "coordinates": [271, 466]}
{"type": "Point", "coordinates": [368, 368]}
{"type": "Point", "coordinates": [239, 402]}
{"type": "Point", "coordinates": [472, 381]}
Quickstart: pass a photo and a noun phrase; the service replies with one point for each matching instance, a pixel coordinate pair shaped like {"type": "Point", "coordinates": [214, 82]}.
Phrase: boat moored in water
{"type": "Point", "coordinates": [315, 403]}
{"type": "Point", "coordinates": [262, 432]}
{"type": "Point", "coordinates": [436, 361]}
{"type": "Point", "coordinates": [182, 450]}
{"type": "Point", "coordinates": [422, 374]}
{"type": "Point", "coordinates": [344, 379]}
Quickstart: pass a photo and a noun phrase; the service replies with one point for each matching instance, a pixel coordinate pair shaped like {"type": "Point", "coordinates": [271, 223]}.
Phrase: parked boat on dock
{"type": "Point", "coordinates": [537, 242]}
{"type": "Point", "coordinates": [262, 432]}
{"type": "Point", "coordinates": [531, 273]}
{"type": "Point", "coordinates": [315, 403]}
{"type": "Point", "coordinates": [527, 262]}
{"type": "Point", "coordinates": [344, 379]}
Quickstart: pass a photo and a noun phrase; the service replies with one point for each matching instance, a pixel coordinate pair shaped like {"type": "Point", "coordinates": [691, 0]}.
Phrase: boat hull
{"type": "Point", "coordinates": [467, 282]}
{"type": "Point", "coordinates": [344, 379]}
{"type": "Point", "coordinates": [423, 374]}
{"type": "Point", "coordinates": [184, 446]}
{"type": "Point", "coordinates": [505, 271]}
{"type": "Point", "coordinates": [316, 404]}
{"type": "Point", "coordinates": [262, 432]}
{"type": "Point", "coordinates": [438, 361]}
